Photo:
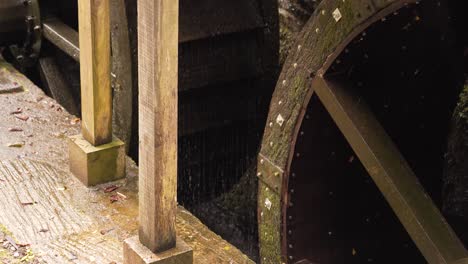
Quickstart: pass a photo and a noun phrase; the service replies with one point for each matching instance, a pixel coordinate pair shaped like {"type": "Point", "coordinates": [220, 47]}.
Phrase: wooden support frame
{"type": "Point", "coordinates": [158, 30]}
{"type": "Point", "coordinates": [96, 156]}
{"type": "Point", "coordinates": [96, 93]}
{"type": "Point", "coordinates": [157, 58]}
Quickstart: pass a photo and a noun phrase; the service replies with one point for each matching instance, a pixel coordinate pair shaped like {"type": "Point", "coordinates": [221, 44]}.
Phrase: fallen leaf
{"type": "Point", "coordinates": [16, 145]}
{"type": "Point", "coordinates": [103, 232]}
{"type": "Point", "coordinates": [122, 195]}
{"type": "Point", "coordinates": [22, 117]}
{"type": "Point", "coordinates": [15, 129]}
{"type": "Point", "coordinates": [110, 188]}
{"type": "Point", "coordinates": [114, 198]}
{"type": "Point", "coordinates": [75, 121]}
{"type": "Point", "coordinates": [27, 203]}
{"type": "Point", "coordinates": [17, 111]}
{"type": "Point", "coordinates": [23, 245]}
{"type": "Point", "coordinates": [117, 197]}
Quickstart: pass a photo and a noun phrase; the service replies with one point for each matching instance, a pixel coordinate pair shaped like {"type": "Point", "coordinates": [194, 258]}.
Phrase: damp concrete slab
{"type": "Point", "coordinates": [46, 208]}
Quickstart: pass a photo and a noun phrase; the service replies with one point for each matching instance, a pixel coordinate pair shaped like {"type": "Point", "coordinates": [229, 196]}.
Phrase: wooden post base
{"type": "Point", "coordinates": [94, 165]}
{"type": "Point", "coordinates": [136, 253]}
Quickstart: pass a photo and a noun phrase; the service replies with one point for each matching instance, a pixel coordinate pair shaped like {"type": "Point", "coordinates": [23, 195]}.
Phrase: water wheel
{"type": "Point", "coordinates": [361, 107]}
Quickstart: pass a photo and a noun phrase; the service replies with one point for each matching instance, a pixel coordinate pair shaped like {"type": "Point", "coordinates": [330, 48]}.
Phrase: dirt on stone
{"type": "Point", "coordinates": [12, 252]}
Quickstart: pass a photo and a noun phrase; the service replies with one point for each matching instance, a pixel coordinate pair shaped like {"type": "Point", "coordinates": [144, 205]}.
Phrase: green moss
{"type": "Point", "coordinates": [269, 225]}
{"type": "Point", "coordinates": [5, 231]}
{"type": "Point", "coordinates": [461, 110]}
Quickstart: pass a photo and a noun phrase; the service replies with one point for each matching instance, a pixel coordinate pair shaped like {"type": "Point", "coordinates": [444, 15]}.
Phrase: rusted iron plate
{"type": "Point", "coordinates": [7, 85]}
{"type": "Point", "coordinates": [390, 171]}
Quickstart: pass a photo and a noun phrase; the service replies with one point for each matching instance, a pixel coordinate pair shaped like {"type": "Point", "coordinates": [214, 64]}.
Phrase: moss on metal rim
{"type": "Point", "coordinates": [320, 42]}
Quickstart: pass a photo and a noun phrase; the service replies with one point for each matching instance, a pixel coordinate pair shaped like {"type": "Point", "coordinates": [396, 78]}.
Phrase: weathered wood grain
{"type": "Point", "coordinates": [96, 94]}
{"type": "Point", "coordinates": [158, 61]}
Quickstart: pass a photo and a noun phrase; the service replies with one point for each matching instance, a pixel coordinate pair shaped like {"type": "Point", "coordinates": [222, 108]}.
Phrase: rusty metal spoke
{"type": "Point", "coordinates": [391, 173]}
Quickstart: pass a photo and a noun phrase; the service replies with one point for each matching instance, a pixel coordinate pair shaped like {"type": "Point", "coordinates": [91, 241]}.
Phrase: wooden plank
{"type": "Point", "coordinates": [157, 68]}
{"type": "Point", "coordinates": [94, 35]}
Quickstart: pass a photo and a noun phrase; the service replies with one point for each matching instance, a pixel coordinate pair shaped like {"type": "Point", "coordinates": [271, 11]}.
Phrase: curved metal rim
{"type": "Point", "coordinates": [320, 73]}
{"type": "Point", "coordinates": [283, 193]}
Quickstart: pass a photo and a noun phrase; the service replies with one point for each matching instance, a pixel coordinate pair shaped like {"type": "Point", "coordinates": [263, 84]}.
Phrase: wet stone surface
{"type": "Point", "coordinates": [44, 207]}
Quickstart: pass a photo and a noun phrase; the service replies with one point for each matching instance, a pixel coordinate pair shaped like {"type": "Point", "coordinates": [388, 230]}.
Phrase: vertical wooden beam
{"type": "Point", "coordinates": [95, 156]}
{"type": "Point", "coordinates": [158, 33]}
{"type": "Point", "coordinates": [96, 94]}
{"type": "Point", "coordinates": [158, 29]}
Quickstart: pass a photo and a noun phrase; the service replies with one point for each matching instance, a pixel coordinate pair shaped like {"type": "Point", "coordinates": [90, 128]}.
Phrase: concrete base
{"type": "Point", "coordinates": [96, 165]}
{"type": "Point", "coordinates": [136, 253]}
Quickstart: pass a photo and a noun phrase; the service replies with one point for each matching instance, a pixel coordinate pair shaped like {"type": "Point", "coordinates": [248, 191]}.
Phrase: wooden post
{"type": "Point", "coordinates": [158, 49]}
{"type": "Point", "coordinates": [95, 156]}
{"type": "Point", "coordinates": [158, 29]}
{"type": "Point", "coordinates": [96, 94]}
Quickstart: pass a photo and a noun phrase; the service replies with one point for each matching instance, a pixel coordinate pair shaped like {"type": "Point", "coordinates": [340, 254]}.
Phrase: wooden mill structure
{"type": "Point", "coordinates": [367, 85]}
